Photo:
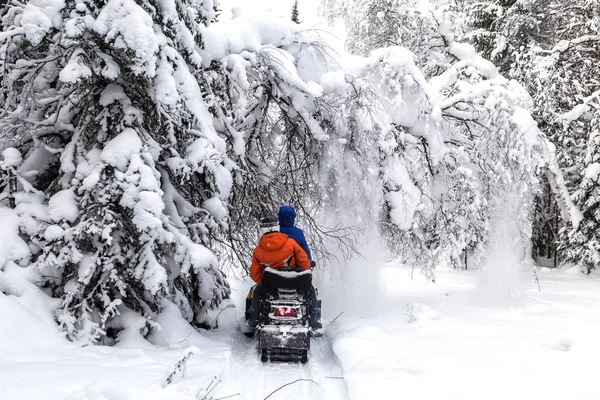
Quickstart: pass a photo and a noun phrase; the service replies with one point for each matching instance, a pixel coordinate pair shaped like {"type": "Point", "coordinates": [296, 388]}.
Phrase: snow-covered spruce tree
{"type": "Point", "coordinates": [103, 100]}
{"type": "Point", "coordinates": [295, 14]}
{"type": "Point", "coordinates": [479, 142]}
{"type": "Point", "coordinates": [581, 245]}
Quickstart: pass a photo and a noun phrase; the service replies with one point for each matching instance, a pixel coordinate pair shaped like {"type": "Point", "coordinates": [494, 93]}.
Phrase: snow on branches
{"type": "Point", "coordinates": [471, 129]}
{"type": "Point", "coordinates": [551, 48]}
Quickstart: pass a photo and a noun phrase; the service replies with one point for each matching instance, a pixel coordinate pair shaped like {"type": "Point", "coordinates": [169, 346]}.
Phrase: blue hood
{"type": "Point", "coordinates": [287, 216]}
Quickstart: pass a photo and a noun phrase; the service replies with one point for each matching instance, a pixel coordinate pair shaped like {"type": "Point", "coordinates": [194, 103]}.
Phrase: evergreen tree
{"type": "Point", "coordinates": [295, 15]}
{"type": "Point", "coordinates": [581, 245]}
{"type": "Point", "coordinates": [105, 103]}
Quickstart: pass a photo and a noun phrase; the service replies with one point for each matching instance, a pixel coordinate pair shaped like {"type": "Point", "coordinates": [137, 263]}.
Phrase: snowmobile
{"type": "Point", "coordinates": [283, 323]}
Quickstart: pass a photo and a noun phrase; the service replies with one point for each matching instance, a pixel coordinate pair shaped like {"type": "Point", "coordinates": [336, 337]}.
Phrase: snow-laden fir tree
{"type": "Point", "coordinates": [295, 14]}
{"type": "Point", "coordinates": [581, 245]}
{"type": "Point", "coordinates": [104, 102]}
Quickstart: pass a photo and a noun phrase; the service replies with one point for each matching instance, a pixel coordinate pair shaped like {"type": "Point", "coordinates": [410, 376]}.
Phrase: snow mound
{"type": "Point", "coordinates": [346, 343]}
{"type": "Point", "coordinates": [119, 150]}
{"type": "Point", "coordinates": [132, 326]}
{"type": "Point", "coordinates": [63, 206]}
{"type": "Point", "coordinates": [12, 157]}
{"type": "Point", "coordinates": [12, 246]}
{"type": "Point", "coordinates": [561, 343]}
{"type": "Point", "coordinates": [345, 349]}
{"type": "Point", "coordinates": [175, 332]}
{"type": "Point", "coordinates": [421, 313]}
{"type": "Point", "coordinates": [101, 390]}
{"type": "Point", "coordinates": [25, 327]}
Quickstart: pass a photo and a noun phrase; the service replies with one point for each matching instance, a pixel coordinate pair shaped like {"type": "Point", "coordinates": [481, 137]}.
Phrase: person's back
{"type": "Point", "coordinates": [287, 219]}
{"type": "Point", "coordinates": [276, 250]}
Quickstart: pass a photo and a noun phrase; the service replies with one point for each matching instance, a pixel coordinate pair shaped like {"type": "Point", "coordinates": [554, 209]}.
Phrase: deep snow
{"type": "Point", "coordinates": [420, 341]}
{"type": "Point", "coordinates": [455, 340]}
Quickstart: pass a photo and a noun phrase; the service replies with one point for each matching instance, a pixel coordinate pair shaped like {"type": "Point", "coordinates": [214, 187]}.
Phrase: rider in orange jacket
{"type": "Point", "coordinates": [276, 250]}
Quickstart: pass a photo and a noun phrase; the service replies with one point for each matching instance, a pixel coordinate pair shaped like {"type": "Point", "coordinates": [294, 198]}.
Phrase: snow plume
{"type": "Point", "coordinates": [354, 197]}
{"type": "Point", "coordinates": [508, 258]}
{"type": "Point", "coordinates": [351, 285]}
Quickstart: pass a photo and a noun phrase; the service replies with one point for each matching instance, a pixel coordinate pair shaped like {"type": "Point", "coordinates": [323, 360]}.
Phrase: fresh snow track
{"type": "Point", "coordinates": [247, 375]}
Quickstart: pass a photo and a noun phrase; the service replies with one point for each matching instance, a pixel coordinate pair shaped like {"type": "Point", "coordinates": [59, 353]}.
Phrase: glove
{"type": "Point", "coordinates": [313, 264]}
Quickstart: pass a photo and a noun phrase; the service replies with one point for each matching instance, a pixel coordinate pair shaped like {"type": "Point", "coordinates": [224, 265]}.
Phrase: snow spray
{"type": "Point", "coordinates": [354, 195]}
{"type": "Point", "coordinates": [508, 261]}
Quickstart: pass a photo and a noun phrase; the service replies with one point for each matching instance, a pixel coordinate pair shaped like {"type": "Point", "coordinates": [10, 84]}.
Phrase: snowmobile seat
{"type": "Point", "coordinates": [285, 278]}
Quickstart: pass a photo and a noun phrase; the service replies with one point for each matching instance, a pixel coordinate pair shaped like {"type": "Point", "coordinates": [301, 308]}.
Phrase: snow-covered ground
{"type": "Point", "coordinates": [459, 339]}
{"type": "Point", "coordinates": [455, 339]}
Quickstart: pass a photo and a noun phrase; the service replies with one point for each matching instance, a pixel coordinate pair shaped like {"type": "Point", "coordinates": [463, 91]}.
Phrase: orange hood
{"type": "Point", "coordinates": [272, 241]}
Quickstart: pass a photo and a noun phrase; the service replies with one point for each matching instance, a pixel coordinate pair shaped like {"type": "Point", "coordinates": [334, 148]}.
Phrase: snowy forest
{"type": "Point", "coordinates": [141, 141]}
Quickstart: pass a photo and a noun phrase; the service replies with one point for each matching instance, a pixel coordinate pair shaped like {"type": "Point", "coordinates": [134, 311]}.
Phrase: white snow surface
{"type": "Point", "coordinates": [63, 206]}
{"type": "Point", "coordinates": [457, 347]}
{"type": "Point", "coordinates": [419, 340]}
{"type": "Point", "coordinates": [39, 16]}
{"type": "Point", "coordinates": [129, 27]}
{"type": "Point", "coordinates": [119, 150]}
{"type": "Point", "coordinates": [12, 246]}
{"type": "Point", "coordinates": [11, 157]}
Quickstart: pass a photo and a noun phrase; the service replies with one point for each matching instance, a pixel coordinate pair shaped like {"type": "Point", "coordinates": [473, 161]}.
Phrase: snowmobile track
{"type": "Point", "coordinates": [247, 375]}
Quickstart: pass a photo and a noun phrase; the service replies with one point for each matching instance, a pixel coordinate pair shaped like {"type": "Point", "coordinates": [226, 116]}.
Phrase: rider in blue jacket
{"type": "Point", "coordinates": [287, 218]}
